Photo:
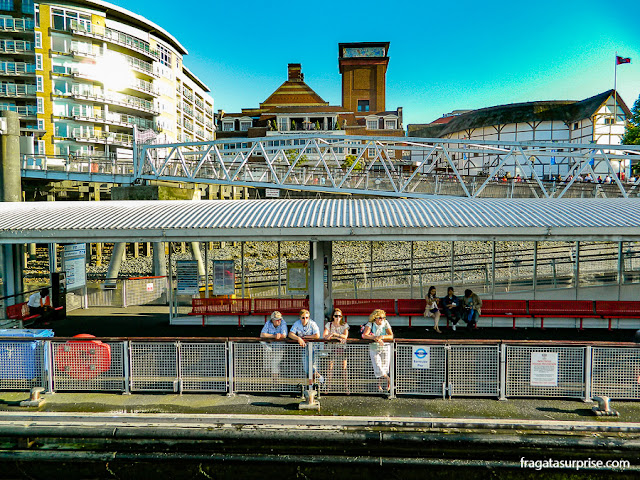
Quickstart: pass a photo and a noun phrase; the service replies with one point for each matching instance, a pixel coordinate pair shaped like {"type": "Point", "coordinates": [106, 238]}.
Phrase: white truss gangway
{"type": "Point", "coordinates": [408, 167]}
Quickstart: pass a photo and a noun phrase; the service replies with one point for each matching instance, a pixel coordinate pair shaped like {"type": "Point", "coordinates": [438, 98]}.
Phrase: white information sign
{"type": "Point", "coordinates": [74, 264]}
{"type": "Point", "coordinates": [271, 193]}
{"type": "Point", "coordinates": [421, 357]}
{"type": "Point", "coordinates": [544, 369]}
{"type": "Point", "coordinates": [187, 277]}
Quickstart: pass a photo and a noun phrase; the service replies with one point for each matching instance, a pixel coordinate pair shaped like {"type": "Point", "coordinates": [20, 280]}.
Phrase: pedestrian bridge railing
{"type": "Point", "coordinates": [430, 368]}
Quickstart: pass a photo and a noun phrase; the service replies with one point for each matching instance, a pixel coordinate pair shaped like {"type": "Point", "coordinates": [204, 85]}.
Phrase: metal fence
{"type": "Point", "coordinates": [431, 368]}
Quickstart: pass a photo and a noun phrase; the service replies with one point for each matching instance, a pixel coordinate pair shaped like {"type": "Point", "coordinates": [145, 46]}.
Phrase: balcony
{"type": "Point", "coordinates": [117, 119]}
{"type": "Point", "coordinates": [14, 90]}
{"type": "Point", "coordinates": [141, 66]}
{"type": "Point", "coordinates": [100, 137]}
{"type": "Point", "coordinates": [16, 47]}
{"type": "Point", "coordinates": [16, 25]}
{"type": "Point", "coordinates": [121, 99]}
{"type": "Point", "coordinates": [22, 111]}
{"type": "Point", "coordinates": [144, 87]}
{"type": "Point", "coordinates": [112, 36]}
{"type": "Point", "coordinates": [17, 69]}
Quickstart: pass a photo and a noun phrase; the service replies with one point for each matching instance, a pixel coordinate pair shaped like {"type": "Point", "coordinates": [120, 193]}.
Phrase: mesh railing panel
{"type": "Point", "coordinates": [146, 291]}
{"type": "Point", "coordinates": [420, 381]}
{"type": "Point", "coordinates": [616, 372]}
{"type": "Point", "coordinates": [474, 370]}
{"type": "Point", "coordinates": [22, 365]}
{"type": "Point", "coordinates": [570, 377]}
{"type": "Point", "coordinates": [88, 365]}
{"type": "Point", "coordinates": [154, 367]}
{"type": "Point", "coordinates": [203, 367]}
{"type": "Point", "coordinates": [268, 367]}
{"type": "Point", "coordinates": [358, 377]}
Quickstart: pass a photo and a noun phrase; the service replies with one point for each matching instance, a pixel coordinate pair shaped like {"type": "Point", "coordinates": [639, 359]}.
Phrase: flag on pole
{"type": "Point", "coordinates": [621, 60]}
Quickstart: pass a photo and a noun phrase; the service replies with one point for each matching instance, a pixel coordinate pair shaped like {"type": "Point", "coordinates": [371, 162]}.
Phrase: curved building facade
{"type": "Point", "coordinates": [96, 75]}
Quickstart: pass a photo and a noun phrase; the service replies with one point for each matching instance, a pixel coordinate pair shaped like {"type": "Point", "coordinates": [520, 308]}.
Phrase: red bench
{"type": "Point", "coordinates": [562, 309]}
{"type": "Point", "coordinates": [364, 306]}
{"type": "Point", "coordinates": [411, 307]}
{"type": "Point", "coordinates": [20, 311]}
{"type": "Point", "coordinates": [506, 309]}
{"type": "Point", "coordinates": [286, 306]}
{"type": "Point", "coordinates": [220, 306]}
{"type": "Point", "coordinates": [609, 309]}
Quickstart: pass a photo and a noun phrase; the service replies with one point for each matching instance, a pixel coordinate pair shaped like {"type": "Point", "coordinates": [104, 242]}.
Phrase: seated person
{"type": "Point", "coordinates": [39, 302]}
{"type": "Point", "coordinates": [472, 308]}
{"type": "Point", "coordinates": [451, 307]}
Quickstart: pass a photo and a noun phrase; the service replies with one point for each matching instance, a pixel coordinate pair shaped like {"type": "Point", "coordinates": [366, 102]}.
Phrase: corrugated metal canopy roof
{"type": "Point", "coordinates": [322, 219]}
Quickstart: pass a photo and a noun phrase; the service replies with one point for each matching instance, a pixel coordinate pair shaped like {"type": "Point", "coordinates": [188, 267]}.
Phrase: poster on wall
{"type": "Point", "coordinates": [74, 264]}
{"type": "Point", "coordinates": [297, 275]}
{"type": "Point", "coordinates": [187, 277]}
{"type": "Point", "coordinates": [224, 277]}
{"type": "Point", "coordinates": [544, 369]}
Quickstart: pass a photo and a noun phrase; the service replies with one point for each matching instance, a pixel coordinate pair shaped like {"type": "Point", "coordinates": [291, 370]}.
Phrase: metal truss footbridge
{"type": "Point", "coordinates": [408, 167]}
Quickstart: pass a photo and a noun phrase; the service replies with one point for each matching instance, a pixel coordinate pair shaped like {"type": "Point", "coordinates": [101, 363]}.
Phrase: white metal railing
{"type": "Point", "coordinates": [16, 24]}
{"type": "Point", "coordinates": [437, 369]}
{"type": "Point", "coordinates": [113, 36]}
{"type": "Point", "coordinates": [16, 90]}
{"type": "Point", "coordinates": [15, 46]}
{"type": "Point", "coordinates": [26, 110]}
{"type": "Point", "coordinates": [17, 68]}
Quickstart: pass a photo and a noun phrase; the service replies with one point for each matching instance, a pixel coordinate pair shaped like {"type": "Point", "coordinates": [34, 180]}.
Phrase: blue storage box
{"type": "Point", "coordinates": [23, 359]}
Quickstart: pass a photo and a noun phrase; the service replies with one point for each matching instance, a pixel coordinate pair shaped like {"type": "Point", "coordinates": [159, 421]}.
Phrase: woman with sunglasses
{"type": "Point", "coordinates": [379, 330]}
{"type": "Point", "coordinates": [337, 329]}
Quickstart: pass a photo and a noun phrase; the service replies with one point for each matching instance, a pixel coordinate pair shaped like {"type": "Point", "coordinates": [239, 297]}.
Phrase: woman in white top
{"type": "Point", "coordinates": [337, 329]}
{"type": "Point", "coordinates": [379, 330]}
{"type": "Point", "coordinates": [432, 309]}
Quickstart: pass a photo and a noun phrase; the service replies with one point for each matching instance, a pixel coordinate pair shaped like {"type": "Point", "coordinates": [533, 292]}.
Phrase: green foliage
{"type": "Point", "coordinates": [349, 160]}
{"type": "Point", "coordinates": [632, 132]}
{"type": "Point", "coordinates": [317, 125]}
{"type": "Point", "coordinates": [293, 154]}
{"type": "Point", "coordinates": [274, 125]}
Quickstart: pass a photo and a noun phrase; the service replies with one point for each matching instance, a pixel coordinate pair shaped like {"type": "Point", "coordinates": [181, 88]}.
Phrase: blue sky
{"type": "Point", "coordinates": [443, 56]}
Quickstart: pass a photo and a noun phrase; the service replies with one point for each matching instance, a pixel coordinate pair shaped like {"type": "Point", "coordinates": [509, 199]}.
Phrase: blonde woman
{"type": "Point", "coordinates": [337, 329]}
{"type": "Point", "coordinates": [432, 309]}
{"type": "Point", "coordinates": [379, 330]}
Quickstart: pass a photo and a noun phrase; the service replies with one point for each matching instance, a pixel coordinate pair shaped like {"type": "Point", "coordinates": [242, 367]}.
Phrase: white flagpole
{"type": "Point", "coordinates": [615, 95]}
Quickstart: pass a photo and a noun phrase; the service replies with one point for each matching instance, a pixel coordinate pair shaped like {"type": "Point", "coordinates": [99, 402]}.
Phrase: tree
{"type": "Point", "coordinates": [349, 160]}
{"type": "Point", "coordinates": [632, 132]}
{"type": "Point", "coordinates": [292, 154]}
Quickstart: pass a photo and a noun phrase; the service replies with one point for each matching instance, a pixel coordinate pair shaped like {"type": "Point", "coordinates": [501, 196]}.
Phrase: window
{"type": "Point", "coordinates": [27, 6]}
{"type": "Point", "coordinates": [66, 19]}
{"type": "Point", "coordinates": [608, 121]}
{"type": "Point", "coordinates": [41, 147]}
{"type": "Point", "coordinates": [390, 124]}
{"type": "Point", "coordinates": [363, 105]}
{"type": "Point", "coordinates": [576, 126]}
{"type": "Point", "coordinates": [283, 123]}
{"type": "Point", "coordinates": [6, 4]}
{"type": "Point", "coordinates": [38, 41]}
{"type": "Point", "coordinates": [227, 126]}
{"type": "Point", "coordinates": [40, 105]}
{"type": "Point", "coordinates": [38, 61]}
{"type": "Point", "coordinates": [371, 152]}
{"type": "Point", "coordinates": [165, 55]}
{"type": "Point", "coordinates": [39, 83]}
{"type": "Point", "coordinates": [244, 126]}
{"type": "Point", "coordinates": [372, 124]}
{"type": "Point", "coordinates": [40, 124]}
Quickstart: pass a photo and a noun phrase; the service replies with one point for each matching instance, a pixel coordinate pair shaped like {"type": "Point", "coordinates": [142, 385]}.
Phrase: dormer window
{"type": "Point", "coordinates": [390, 124]}
{"type": "Point", "coordinates": [227, 126]}
{"type": "Point", "coordinates": [372, 124]}
{"type": "Point", "coordinates": [244, 126]}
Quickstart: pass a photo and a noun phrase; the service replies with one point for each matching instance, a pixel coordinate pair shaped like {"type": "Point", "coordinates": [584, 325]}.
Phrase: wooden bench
{"type": "Point", "coordinates": [220, 306]}
{"type": "Point", "coordinates": [610, 309]}
{"type": "Point", "coordinates": [580, 309]}
{"type": "Point", "coordinates": [506, 309]}
{"type": "Point", "coordinates": [411, 307]}
{"type": "Point", "coordinates": [364, 306]}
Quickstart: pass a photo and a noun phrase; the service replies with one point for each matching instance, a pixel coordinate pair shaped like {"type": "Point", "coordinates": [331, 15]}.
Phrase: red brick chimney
{"type": "Point", "coordinates": [295, 74]}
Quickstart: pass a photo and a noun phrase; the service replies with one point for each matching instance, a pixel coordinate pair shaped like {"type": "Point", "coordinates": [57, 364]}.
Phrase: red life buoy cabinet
{"type": "Point", "coordinates": [83, 359]}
